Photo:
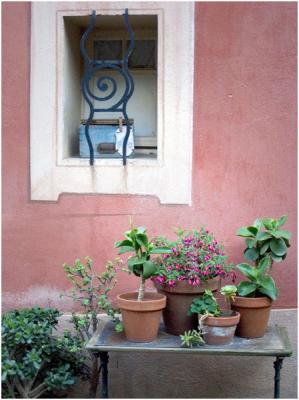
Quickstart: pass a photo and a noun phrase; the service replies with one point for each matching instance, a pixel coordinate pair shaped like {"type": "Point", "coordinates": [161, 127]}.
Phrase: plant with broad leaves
{"type": "Point", "coordinates": [91, 291]}
{"type": "Point", "coordinates": [266, 238]}
{"type": "Point", "coordinates": [260, 282]}
{"type": "Point", "coordinates": [34, 362]}
{"type": "Point", "coordinates": [192, 338]}
{"type": "Point", "coordinates": [137, 242]}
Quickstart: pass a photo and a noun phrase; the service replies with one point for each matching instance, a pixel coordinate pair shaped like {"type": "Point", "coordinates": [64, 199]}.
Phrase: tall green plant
{"type": "Point", "coordinates": [266, 238]}
{"type": "Point", "coordinates": [137, 242]}
{"type": "Point", "coordinates": [90, 291]}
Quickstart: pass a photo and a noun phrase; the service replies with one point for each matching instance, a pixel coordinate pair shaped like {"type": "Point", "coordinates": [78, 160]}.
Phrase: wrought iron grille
{"type": "Point", "coordinates": [107, 84]}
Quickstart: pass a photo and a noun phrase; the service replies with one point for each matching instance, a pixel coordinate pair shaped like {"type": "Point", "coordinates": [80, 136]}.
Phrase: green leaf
{"type": "Point", "coordinates": [282, 234]}
{"type": "Point", "coordinates": [253, 229]}
{"type": "Point", "coordinates": [277, 258]}
{"type": "Point", "coordinates": [261, 236]}
{"type": "Point", "coordinates": [264, 264]}
{"type": "Point", "coordinates": [244, 232]}
{"type": "Point", "coordinates": [268, 287]}
{"type": "Point", "coordinates": [149, 268]}
{"type": "Point", "coordinates": [250, 243]}
{"type": "Point", "coordinates": [251, 254]}
{"type": "Point", "coordinates": [141, 229]}
{"type": "Point", "coordinates": [135, 261]}
{"type": "Point", "coordinates": [278, 247]}
{"type": "Point", "coordinates": [282, 220]}
{"type": "Point", "coordinates": [245, 288]}
{"type": "Point", "coordinates": [264, 248]}
{"type": "Point", "coordinates": [121, 243]}
{"type": "Point", "coordinates": [142, 239]}
{"type": "Point", "coordinates": [247, 270]}
{"type": "Point", "coordinates": [258, 223]}
{"type": "Point", "coordinates": [126, 249]}
{"type": "Point", "coordinates": [161, 250]}
{"type": "Point", "coordinates": [268, 223]}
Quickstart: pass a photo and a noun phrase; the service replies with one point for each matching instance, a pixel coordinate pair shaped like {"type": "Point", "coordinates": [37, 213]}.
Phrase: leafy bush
{"type": "Point", "coordinates": [90, 290]}
{"type": "Point", "coordinates": [34, 362]}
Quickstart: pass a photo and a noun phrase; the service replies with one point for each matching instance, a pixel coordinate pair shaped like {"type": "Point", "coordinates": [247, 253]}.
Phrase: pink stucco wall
{"type": "Point", "coordinates": [244, 161]}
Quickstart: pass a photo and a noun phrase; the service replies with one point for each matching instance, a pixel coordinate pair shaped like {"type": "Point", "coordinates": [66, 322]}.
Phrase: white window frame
{"type": "Point", "coordinates": [169, 176]}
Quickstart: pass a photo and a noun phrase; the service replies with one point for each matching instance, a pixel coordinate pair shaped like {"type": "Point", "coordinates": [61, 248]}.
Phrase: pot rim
{"type": "Point", "coordinates": [155, 303]}
{"type": "Point", "coordinates": [224, 321]}
{"type": "Point", "coordinates": [251, 302]}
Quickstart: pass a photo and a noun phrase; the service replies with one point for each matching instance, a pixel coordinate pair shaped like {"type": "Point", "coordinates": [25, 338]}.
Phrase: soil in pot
{"type": "Point", "coordinates": [220, 330]}
{"type": "Point", "coordinates": [254, 315]}
{"type": "Point", "coordinates": [179, 299]}
{"type": "Point", "coordinates": [141, 319]}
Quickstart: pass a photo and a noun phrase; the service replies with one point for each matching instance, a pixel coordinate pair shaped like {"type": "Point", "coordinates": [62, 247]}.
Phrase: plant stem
{"type": "Point", "coordinates": [141, 289]}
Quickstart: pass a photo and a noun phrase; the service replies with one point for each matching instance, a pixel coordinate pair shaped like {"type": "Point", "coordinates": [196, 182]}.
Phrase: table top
{"type": "Point", "coordinates": [274, 343]}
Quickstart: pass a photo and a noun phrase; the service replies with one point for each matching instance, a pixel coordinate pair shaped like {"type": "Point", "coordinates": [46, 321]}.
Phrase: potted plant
{"type": "Point", "coordinates": [266, 243]}
{"type": "Point", "coordinates": [141, 311]}
{"type": "Point", "coordinates": [196, 263]}
{"type": "Point", "coordinates": [218, 326]}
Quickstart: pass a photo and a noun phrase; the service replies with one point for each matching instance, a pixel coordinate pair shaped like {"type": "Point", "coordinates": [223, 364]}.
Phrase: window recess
{"type": "Point", "coordinates": [108, 40]}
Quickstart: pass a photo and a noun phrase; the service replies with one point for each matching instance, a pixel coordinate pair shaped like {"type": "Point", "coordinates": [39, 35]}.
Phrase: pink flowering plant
{"type": "Point", "coordinates": [196, 257]}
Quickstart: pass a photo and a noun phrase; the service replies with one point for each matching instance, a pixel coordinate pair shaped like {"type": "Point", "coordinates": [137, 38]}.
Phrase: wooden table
{"type": "Point", "coordinates": [274, 344]}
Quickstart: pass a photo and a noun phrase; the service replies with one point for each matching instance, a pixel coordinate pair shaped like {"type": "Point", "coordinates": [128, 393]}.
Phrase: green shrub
{"type": "Point", "coordinates": [34, 362]}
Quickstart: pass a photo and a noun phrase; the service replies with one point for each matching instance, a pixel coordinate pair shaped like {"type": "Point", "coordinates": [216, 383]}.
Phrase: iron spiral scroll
{"type": "Point", "coordinates": [107, 84]}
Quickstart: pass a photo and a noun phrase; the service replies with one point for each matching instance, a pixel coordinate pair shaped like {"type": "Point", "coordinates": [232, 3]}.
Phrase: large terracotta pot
{"type": "Point", "coordinates": [255, 312]}
{"type": "Point", "coordinates": [220, 330]}
{"type": "Point", "coordinates": [179, 299]}
{"type": "Point", "coordinates": [141, 319]}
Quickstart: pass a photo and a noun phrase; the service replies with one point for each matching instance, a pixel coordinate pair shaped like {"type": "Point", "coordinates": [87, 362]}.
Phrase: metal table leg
{"type": "Point", "coordinates": [277, 365]}
{"type": "Point", "coordinates": [104, 370]}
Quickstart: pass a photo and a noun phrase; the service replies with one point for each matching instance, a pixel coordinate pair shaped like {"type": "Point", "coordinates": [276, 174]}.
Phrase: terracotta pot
{"type": "Point", "coordinates": [220, 330]}
{"type": "Point", "coordinates": [141, 319]}
{"type": "Point", "coordinates": [255, 312]}
{"type": "Point", "coordinates": [179, 299]}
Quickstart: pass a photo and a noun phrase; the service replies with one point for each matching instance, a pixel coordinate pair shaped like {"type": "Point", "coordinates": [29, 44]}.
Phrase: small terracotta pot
{"type": "Point", "coordinates": [179, 299]}
{"type": "Point", "coordinates": [141, 319]}
{"type": "Point", "coordinates": [254, 312]}
{"type": "Point", "coordinates": [220, 330]}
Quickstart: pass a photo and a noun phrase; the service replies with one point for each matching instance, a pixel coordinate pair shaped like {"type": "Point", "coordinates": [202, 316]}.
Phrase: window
{"type": "Point", "coordinates": [162, 64]}
{"type": "Point", "coordinates": [108, 41]}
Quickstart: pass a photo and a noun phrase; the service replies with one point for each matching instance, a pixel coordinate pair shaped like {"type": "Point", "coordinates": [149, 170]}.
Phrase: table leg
{"type": "Point", "coordinates": [104, 370]}
{"type": "Point", "coordinates": [277, 366]}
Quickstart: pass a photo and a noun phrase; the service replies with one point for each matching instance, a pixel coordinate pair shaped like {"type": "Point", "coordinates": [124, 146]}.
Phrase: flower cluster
{"type": "Point", "coordinates": [196, 257]}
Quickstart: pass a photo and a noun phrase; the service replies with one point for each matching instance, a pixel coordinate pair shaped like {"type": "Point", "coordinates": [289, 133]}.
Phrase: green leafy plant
{"type": "Point", "coordinates": [192, 338]}
{"type": "Point", "coordinates": [34, 362]}
{"type": "Point", "coordinates": [137, 242]}
{"type": "Point", "coordinates": [205, 305]}
{"type": "Point", "coordinates": [266, 238]}
{"type": "Point", "coordinates": [91, 290]}
{"type": "Point", "coordinates": [260, 282]}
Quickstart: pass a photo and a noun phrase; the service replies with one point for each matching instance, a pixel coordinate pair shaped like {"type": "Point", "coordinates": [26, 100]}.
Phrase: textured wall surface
{"type": "Point", "coordinates": [244, 161]}
{"type": "Point", "coordinates": [140, 375]}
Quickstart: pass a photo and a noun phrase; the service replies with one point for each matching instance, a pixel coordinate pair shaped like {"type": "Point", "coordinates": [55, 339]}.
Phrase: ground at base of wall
{"type": "Point", "coordinates": [172, 376]}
